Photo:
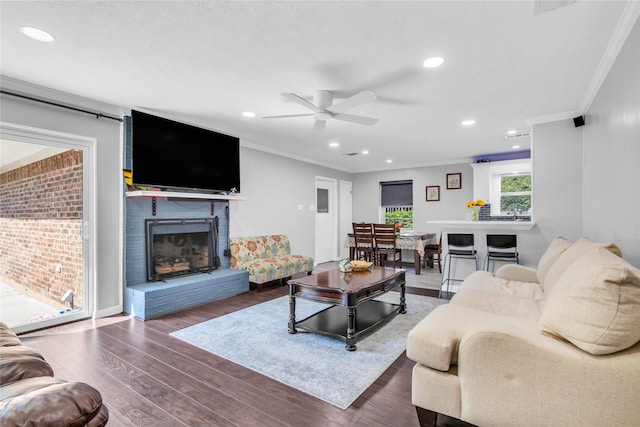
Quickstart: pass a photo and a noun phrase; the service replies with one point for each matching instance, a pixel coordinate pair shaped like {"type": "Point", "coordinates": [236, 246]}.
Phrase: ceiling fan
{"type": "Point", "coordinates": [324, 109]}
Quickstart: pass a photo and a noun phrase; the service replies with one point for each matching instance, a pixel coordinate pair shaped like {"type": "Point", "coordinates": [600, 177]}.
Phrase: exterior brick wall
{"type": "Point", "coordinates": [40, 224]}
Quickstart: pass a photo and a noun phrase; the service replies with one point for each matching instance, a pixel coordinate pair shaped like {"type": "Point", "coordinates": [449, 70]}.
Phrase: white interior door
{"type": "Point", "coordinates": [326, 220]}
{"type": "Point", "coordinates": [346, 216]}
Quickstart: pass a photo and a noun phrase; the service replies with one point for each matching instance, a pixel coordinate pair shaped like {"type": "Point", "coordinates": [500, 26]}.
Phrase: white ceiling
{"type": "Point", "coordinates": [207, 62]}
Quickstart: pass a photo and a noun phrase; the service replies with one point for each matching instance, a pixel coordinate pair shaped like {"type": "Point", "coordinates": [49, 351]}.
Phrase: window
{"type": "Point", "coordinates": [396, 202]}
{"type": "Point", "coordinates": [515, 193]}
{"type": "Point", "coordinates": [511, 189]}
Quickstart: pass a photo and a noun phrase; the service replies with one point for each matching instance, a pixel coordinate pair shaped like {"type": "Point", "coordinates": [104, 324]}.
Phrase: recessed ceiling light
{"type": "Point", "coordinates": [365, 151]}
{"type": "Point", "coordinates": [515, 146]}
{"type": "Point", "coordinates": [37, 34]}
{"type": "Point", "coordinates": [434, 62]}
{"type": "Point", "coordinates": [334, 144]}
{"type": "Point", "coordinates": [389, 160]}
{"type": "Point", "coordinates": [248, 114]}
{"type": "Point", "coordinates": [469, 122]}
{"type": "Point", "coordinates": [512, 132]}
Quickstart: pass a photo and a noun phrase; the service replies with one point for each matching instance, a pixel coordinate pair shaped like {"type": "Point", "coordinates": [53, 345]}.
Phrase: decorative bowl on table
{"type": "Point", "coordinates": [360, 265]}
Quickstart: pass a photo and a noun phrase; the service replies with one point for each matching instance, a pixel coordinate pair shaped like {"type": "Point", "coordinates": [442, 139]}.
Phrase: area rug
{"type": "Point", "coordinates": [257, 338]}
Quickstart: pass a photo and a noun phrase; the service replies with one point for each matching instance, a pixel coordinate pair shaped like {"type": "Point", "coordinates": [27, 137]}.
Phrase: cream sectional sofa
{"type": "Point", "coordinates": [556, 346]}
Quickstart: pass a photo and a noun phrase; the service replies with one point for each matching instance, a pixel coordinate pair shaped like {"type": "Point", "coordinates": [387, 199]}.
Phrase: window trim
{"type": "Point", "coordinates": [507, 169]}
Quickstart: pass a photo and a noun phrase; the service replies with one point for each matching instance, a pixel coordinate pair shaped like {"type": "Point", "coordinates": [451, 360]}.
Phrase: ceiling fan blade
{"type": "Point", "coordinates": [288, 115]}
{"type": "Point", "coordinates": [301, 101]}
{"type": "Point", "coordinates": [353, 101]}
{"type": "Point", "coordinates": [319, 125]}
{"type": "Point", "coordinates": [355, 119]}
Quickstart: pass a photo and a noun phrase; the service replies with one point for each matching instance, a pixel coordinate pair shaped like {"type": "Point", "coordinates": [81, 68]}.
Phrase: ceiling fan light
{"type": "Point", "coordinates": [433, 62]}
{"type": "Point", "coordinates": [37, 34]}
{"type": "Point", "coordinates": [323, 116]}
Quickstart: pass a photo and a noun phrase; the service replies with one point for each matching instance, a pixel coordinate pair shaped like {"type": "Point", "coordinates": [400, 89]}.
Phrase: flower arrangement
{"type": "Point", "coordinates": [475, 206]}
{"type": "Point", "coordinates": [475, 203]}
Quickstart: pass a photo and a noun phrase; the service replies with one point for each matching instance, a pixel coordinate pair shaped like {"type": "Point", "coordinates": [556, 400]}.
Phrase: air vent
{"type": "Point", "coordinates": [350, 154]}
{"type": "Point", "coordinates": [518, 135]}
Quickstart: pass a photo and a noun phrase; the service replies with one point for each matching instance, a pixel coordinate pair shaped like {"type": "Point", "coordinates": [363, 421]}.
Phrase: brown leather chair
{"type": "Point", "coordinates": [363, 237]}
{"type": "Point", "coordinates": [385, 243]}
{"type": "Point", "coordinates": [30, 395]}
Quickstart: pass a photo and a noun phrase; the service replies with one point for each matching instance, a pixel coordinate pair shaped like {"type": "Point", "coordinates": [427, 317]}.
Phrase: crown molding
{"type": "Point", "coordinates": [554, 117]}
{"type": "Point", "coordinates": [626, 22]}
{"type": "Point", "coordinates": [625, 25]}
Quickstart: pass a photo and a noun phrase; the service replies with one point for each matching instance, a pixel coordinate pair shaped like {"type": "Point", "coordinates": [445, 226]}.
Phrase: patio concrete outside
{"type": "Point", "coordinates": [17, 308]}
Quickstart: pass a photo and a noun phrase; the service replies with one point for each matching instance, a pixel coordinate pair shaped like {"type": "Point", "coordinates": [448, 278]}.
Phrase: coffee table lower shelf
{"type": "Point", "coordinates": [332, 321]}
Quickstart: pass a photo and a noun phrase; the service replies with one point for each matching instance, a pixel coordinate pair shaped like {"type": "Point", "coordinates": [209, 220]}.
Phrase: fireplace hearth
{"type": "Point", "coordinates": [178, 247]}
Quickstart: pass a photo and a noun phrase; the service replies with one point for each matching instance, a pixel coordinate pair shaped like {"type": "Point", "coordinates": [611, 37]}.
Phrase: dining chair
{"type": "Point", "coordinates": [501, 247]}
{"type": "Point", "coordinates": [433, 253]}
{"type": "Point", "coordinates": [459, 246]}
{"type": "Point", "coordinates": [385, 243]}
{"type": "Point", "coordinates": [363, 239]}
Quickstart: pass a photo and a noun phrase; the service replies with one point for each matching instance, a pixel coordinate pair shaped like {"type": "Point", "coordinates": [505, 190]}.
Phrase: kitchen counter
{"type": "Point", "coordinates": [485, 225]}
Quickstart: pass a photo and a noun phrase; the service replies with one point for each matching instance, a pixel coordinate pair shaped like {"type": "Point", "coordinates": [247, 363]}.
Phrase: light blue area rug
{"type": "Point", "coordinates": [257, 338]}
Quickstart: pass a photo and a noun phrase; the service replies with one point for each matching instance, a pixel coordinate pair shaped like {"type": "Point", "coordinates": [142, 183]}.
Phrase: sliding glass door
{"type": "Point", "coordinates": [45, 224]}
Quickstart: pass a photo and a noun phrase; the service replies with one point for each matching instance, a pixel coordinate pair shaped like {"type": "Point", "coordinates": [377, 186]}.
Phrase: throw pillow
{"type": "Point", "coordinates": [597, 307]}
{"type": "Point", "coordinates": [569, 256]}
{"type": "Point", "coordinates": [551, 255]}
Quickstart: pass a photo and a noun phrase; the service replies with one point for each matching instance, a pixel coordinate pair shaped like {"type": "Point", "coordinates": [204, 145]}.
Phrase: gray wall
{"type": "Point", "coordinates": [273, 187]}
{"type": "Point", "coordinates": [612, 155]}
{"type": "Point", "coordinates": [452, 204]}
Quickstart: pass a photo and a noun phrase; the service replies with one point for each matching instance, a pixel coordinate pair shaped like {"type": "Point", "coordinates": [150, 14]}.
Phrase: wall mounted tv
{"type": "Point", "coordinates": [178, 156]}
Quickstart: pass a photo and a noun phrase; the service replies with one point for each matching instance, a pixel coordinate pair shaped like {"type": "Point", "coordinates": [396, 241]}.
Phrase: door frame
{"type": "Point", "coordinates": [333, 212]}
{"type": "Point", "coordinates": [346, 216]}
{"type": "Point", "coordinates": [39, 136]}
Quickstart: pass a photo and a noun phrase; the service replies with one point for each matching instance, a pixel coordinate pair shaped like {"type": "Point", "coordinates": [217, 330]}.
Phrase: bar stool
{"type": "Point", "coordinates": [460, 246]}
{"type": "Point", "coordinates": [433, 252]}
{"type": "Point", "coordinates": [501, 247]}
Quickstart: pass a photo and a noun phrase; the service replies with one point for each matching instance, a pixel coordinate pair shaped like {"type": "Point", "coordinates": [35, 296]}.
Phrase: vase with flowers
{"type": "Point", "coordinates": [475, 206]}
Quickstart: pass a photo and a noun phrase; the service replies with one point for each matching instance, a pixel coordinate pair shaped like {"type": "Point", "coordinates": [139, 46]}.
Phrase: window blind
{"type": "Point", "coordinates": [396, 193]}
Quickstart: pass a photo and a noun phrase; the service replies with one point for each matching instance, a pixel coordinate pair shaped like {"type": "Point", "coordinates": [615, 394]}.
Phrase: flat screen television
{"type": "Point", "coordinates": [178, 156]}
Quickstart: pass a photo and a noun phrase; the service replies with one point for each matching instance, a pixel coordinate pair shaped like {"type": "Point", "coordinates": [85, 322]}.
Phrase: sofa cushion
{"type": "Point", "coordinates": [596, 304]}
{"type": "Point", "coordinates": [434, 341]}
{"type": "Point", "coordinates": [510, 306]}
{"type": "Point", "coordinates": [15, 366]}
{"type": "Point", "coordinates": [551, 255]}
{"type": "Point", "coordinates": [569, 256]}
{"type": "Point", "coordinates": [486, 282]}
{"type": "Point", "coordinates": [46, 401]}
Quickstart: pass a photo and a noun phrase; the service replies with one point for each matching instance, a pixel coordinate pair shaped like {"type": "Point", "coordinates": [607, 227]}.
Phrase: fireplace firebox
{"type": "Point", "coordinates": [178, 247]}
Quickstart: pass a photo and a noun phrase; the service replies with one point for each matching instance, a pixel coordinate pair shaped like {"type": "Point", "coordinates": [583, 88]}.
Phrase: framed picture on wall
{"type": "Point", "coordinates": [454, 181]}
{"type": "Point", "coordinates": [433, 193]}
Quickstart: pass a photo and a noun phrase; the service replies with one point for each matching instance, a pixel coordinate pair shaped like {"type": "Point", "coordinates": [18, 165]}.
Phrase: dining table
{"type": "Point", "coordinates": [413, 241]}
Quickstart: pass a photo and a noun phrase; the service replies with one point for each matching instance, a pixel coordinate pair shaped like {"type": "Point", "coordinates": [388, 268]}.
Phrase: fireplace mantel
{"type": "Point", "coordinates": [182, 195]}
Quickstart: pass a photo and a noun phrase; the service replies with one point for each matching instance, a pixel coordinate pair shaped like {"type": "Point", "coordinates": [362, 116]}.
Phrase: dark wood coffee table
{"type": "Point", "coordinates": [353, 312]}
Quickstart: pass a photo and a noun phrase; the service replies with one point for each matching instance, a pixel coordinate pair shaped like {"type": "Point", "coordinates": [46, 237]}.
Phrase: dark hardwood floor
{"type": "Point", "coordinates": [148, 378]}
